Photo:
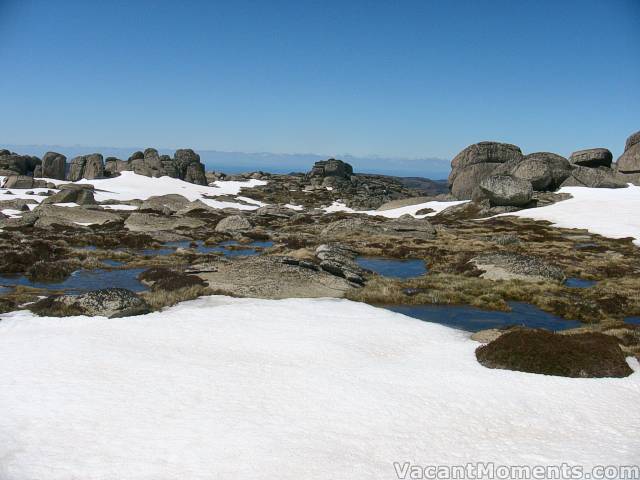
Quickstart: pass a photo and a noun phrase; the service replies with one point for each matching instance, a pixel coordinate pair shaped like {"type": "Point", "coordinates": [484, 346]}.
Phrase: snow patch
{"type": "Point", "coordinates": [611, 212]}
{"type": "Point", "coordinates": [298, 388]}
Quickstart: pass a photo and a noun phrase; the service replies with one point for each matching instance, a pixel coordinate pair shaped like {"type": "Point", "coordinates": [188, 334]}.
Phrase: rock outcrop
{"type": "Point", "coordinates": [629, 161]}
{"type": "Point", "coordinates": [53, 166]}
{"type": "Point", "coordinates": [86, 166]}
{"type": "Point", "coordinates": [331, 168]}
{"type": "Point", "coordinates": [601, 177]}
{"type": "Point", "coordinates": [546, 171]}
{"type": "Point", "coordinates": [477, 162]}
{"type": "Point", "coordinates": [185, 165]}
{"type": "Point", "coordinates": [108, 302]}
{"type": "Point", "coordinates": [14, 164]}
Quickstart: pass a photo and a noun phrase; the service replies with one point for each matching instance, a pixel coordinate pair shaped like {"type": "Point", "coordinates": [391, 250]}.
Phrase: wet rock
{"type": "Point", "coordinates": [477, 162]}
{"type": "Point", "coordinates": [53, 165]}
{"type": "Point", "coordinates": [233, 225]}
{"type": "Point", "coordinates": [593, 157]}
{"type": "Point", "coordinates": [584, 355]}
{"type": "Point", "coordinates": [506, 190]}
{"type": "Point", "coordinates": [108, 302]}
{"type": "Point", "coordinates": [511, 266]}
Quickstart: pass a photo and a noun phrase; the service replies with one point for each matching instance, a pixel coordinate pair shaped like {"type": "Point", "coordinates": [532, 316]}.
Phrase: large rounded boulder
{"type": "Point", "coordinates": [593, 157]}
{"type": "Point", "coordinates": [477, 162]}
{"type": "Point", "coordinates": [506, 190]}
{"type": "Point", "coordinates": [629, 161]}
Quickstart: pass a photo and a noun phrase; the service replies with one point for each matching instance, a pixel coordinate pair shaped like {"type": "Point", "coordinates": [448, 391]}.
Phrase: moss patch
{"type": "Point", "coordinates": [540, 351]}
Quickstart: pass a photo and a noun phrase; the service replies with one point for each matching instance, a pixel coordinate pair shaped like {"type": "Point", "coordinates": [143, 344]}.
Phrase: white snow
{"type": "Point", "coordinates": [611, 212]}
{"type": "Point", "coordinates": [436, 206]}
{"type": "Point", "coordinates": [12, 213]}
{"type": "Point", "coordinates": [130, 186]}
{"type": "Point", "coordinates": [287, 389]}
{"type": "Point", "coordinates": [297, 208]}
{"type": "Point", "coordinates": [119, 207]}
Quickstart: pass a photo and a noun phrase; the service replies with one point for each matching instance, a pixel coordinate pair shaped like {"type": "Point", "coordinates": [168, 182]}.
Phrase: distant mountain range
{"type": "Point", "coordinates": [236, 162]}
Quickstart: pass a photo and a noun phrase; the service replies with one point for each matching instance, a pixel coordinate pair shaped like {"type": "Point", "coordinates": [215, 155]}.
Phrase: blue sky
{"type": "Point", "coordinates": [391, 78]}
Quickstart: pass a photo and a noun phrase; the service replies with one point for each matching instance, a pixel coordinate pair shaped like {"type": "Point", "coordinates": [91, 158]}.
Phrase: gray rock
{"type": "Point", "coordinates": [113, 166]}
{"type": "Point", "coordinates": [633, 139]}
{"type": "Point", "coordinates": [14, 163]}
{"type": "Point", "coordinates": [86, 166]}
{"type": "Point", "coordinates": [477, 162]}
{"type": "Point", "coordinates": [511, 266]}
{"type": "Point", "coordinates": [331, 168]}
{"type": "Point", "coordinates": [506, 190]}
{"type": "Point", "coordinates": [165, 204]}
{"type": "Point", "coordinates": [233, 224]}
{"type": "Point", "coordinates": [147, 222]}
{"type": "Point", "coordinates": [53, 165]}
{"type": "Point", "coordinates": [593, 157]}
{"type": "Point", "coordinates": [108, 302]}
{"type": "Point", "coordinates": [48, 215]}
{"type": "Point", "coordinates": [629, 161]}
{"type": "Point", "coordinates": [18, 181]}
{"type": "Point", "coordinates": [594, 178]}
{"type": "Point", "coordinates": [79, 196]}
{"type": "Point", "coordinates": [546, 171]}
{"type": "Point", "coordinates": [338, 260]}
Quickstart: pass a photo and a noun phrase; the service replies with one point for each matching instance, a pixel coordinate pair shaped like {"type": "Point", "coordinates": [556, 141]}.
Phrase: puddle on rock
{"type": "Point", "coordinates": [392, 267]}
{"type": "Point", "coordinates": [471, 319]}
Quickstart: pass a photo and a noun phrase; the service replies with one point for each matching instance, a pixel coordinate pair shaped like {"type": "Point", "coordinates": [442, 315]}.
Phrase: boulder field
{"type": "Point", "coordinates": [501, 173]}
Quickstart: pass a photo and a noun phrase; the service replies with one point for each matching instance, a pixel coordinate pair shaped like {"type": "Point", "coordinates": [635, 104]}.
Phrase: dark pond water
{"type": "Point", "coordinates": [473, 319]}
{"type": "Point", "coordinates": [633, 320]}
{"type": "Point", "coordinates": [85, 280]}
{"type": "Point", "coordinates": [393, 268]}
{"type": "Point", "coordinates": [579, 283]}
{"type": "Point", "coordinates": [223, 247]}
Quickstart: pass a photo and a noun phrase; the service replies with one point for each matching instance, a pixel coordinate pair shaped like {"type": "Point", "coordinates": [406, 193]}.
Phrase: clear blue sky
{"type": "Point", "coordinates": [393, 78]}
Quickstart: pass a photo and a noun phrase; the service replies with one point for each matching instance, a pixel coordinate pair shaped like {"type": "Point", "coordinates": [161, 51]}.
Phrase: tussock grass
{"type": "Point", "coordinates": [159, 299]}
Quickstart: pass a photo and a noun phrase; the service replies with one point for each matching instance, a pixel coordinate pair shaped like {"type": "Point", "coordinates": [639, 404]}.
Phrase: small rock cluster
{"type": "Point", "coordinates": [23, 170]}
